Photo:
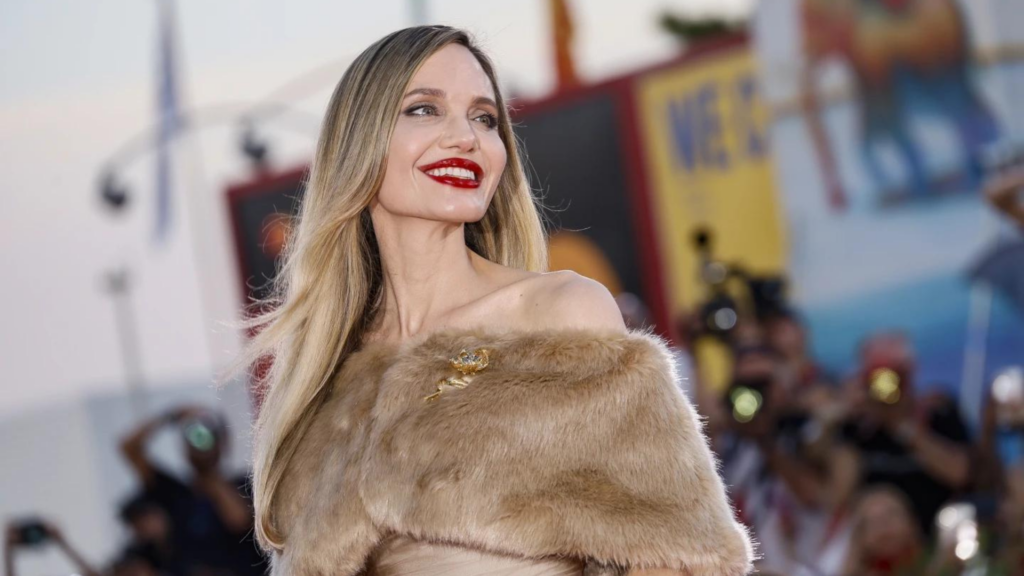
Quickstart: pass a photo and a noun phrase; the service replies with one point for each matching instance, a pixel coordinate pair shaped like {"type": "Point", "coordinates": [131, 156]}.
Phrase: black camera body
{"type": "Point", "coordinates": [734, 292]}
{"type": "Point", "coordinates": [31, 532]}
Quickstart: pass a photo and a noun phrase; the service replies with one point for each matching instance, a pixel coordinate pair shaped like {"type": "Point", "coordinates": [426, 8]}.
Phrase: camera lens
{"type": "Point", "coordinates": [199, 436]}
{"type": "Point", "coordinates": [885, 386]}
{"type": "Point", "coordinates": [746, 403]}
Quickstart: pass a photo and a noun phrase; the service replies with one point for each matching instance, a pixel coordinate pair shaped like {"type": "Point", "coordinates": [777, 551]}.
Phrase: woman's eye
{"type": "Point", "coordinates": [490, 120]}
{"type": "Point", "coordinates": [421, 110]}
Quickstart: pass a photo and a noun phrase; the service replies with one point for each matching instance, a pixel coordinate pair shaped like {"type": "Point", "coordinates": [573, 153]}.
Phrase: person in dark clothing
{"type": "Point", "coordinates": [919, 445]}
{"type": "Point", "coordinates": [784, 493]}
{"type": "Point", "coordinates": [134, 562]}
{"type": "Point", "coordinates": [211, 515]}
{"type": "Point", "coordinates": [150, 528]}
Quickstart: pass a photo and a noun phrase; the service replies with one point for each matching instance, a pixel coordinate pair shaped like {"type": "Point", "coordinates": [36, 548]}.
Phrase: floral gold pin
{"type": "Point", "coordinates": [467, 364]}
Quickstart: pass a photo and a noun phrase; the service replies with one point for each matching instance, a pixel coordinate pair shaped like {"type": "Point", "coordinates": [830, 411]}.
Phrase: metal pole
{"type": "Point", "coordinates": [118, 285]}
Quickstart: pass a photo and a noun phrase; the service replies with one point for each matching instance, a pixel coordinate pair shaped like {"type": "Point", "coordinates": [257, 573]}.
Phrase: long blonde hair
{"type": "Point", "coordinates": [328, 290]}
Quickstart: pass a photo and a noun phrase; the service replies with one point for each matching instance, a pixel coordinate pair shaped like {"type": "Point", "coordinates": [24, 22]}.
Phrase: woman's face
{"type": "Point", "coordinates": [446, 156]}
{"type": "Point", "coordinates": [886, 526]}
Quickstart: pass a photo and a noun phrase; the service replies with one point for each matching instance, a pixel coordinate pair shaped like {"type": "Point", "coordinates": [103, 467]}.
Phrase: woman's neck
{"type": "Point", "coordinates": [428, 272]}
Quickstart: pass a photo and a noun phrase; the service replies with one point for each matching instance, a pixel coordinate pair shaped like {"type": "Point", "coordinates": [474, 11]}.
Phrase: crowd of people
{"type": "Point", "coordinates": [198, 526]}
{"type": "Point", "coordinates": [856, 475]}
{"type": "Point", "coordinates": [863, 474]}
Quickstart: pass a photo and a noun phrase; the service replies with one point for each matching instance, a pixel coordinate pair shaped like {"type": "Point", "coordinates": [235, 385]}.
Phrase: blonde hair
{"type": "Point", "coordinates": [328, 290]}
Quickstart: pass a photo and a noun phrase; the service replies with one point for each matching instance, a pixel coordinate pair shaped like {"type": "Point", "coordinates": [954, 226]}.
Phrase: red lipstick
{"type": "Point", "coordinates": [456, 181]}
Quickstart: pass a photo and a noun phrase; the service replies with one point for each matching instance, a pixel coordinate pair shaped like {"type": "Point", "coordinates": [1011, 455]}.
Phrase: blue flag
{"type": "Point", "coordinates": [167, 106]}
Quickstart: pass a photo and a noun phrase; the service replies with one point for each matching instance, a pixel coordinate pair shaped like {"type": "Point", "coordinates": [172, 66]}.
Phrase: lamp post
{"type": "Point", "coordinates": [117, 283]}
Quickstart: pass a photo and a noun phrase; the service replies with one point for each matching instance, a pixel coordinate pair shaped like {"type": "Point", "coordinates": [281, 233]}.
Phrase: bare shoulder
{"type": "Point", "coordinates": [566, 299]}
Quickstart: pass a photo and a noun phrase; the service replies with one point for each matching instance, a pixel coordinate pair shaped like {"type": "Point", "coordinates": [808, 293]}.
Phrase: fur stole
{"type": "Point", "coordinates": [570, 442]}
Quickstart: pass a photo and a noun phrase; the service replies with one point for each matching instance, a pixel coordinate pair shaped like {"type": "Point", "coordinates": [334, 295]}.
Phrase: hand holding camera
{"type": "Point", "coordinates": [890, 400]}
{"type": "Point", "coordinates": [31, 532]}
{"type": "Point", "coordinates": [885, 383]}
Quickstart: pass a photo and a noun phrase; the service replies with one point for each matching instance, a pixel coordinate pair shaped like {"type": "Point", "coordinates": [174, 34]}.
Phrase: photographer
{"type": "Point", "coordinates": [886, 539]}
{"type": "Point", "coordinates": [789, 498]}
{"type": "Point", "coordinates": [150, 530]}
{"type": "Point", "coordinates": [920, 446]}
{"type": "Point", "coordinates": [133, 563]}
{"type": "Point", "coordinates": [787, 335]}
{"type": "Point", "coordinates": [35, 533]}
{"type": "Point", "coordinates": [211, 516]}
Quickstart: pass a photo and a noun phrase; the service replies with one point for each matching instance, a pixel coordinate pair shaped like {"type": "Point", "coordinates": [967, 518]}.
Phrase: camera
{"type": "Point", "coordinates": [199, 434]}
{"type": "Point", "coordinates": [747, 397]}
{"type": "Point", "coordinates": [734, 292]}
{"type": "Point", "coordinates": [31, 532]}
{"type": "Point", "coordinates": [885, 383]}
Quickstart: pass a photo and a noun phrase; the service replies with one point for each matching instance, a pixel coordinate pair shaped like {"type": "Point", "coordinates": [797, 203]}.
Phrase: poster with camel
{"type": "Point", "coordinates": [883, 115]}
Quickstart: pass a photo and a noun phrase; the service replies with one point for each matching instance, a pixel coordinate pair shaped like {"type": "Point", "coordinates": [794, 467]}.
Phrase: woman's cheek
{"type": "Point", "coordinates": [412, 138]}
{"type": "Point", "coordinates": [496, 155]}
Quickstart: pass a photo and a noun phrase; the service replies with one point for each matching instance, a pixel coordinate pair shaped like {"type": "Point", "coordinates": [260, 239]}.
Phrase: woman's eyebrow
{"type": "Point", "coordinates": [485, 100]}
{"type": "Point", "coordinates": [427, 92]}
{"type": "Point", "coordinates": [438, 93]}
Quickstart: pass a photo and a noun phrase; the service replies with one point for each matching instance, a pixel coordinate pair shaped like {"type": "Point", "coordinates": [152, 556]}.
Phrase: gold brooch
{"type": "Point", "coordinates": [467, 363]}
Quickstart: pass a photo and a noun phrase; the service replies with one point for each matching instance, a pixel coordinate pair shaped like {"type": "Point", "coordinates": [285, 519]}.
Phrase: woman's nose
{"type": "Point", "coordinates": [459, 133]}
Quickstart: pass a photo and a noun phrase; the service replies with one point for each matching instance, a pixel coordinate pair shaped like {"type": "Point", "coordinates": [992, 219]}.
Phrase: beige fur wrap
{"type": "Point", "coordinates": [570, 442]}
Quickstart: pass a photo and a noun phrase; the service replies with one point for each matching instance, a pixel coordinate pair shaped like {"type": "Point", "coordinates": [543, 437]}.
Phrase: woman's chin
{"type": "Point", "coordinates": [462, 213]}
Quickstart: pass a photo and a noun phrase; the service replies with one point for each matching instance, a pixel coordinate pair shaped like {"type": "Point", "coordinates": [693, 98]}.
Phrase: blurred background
{"type": "Point", "coordinates": [817, 201]}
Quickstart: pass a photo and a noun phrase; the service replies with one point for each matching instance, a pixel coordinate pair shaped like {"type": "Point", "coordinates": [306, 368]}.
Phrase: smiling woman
{"type": "Point", "coordinates": [448, 132]}
{"type": "Point", "coordinates": [438, 403]}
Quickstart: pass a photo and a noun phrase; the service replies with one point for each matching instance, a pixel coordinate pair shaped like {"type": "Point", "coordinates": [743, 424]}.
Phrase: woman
{"type": "Point", "coordinates": [886, 538]}
{"type": "Point", "coordinates": [437, 403]}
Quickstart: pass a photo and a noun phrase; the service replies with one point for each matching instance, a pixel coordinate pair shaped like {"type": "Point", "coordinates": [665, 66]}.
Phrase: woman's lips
{"type": "Point", "coordinates": [452, 179]}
